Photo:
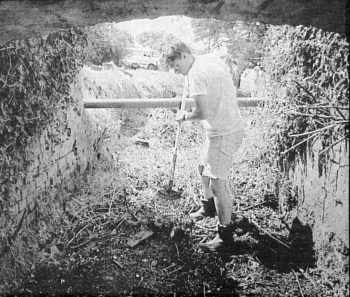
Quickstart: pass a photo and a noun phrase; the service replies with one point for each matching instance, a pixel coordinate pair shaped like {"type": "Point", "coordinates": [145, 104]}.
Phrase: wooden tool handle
{"type": "Point", "coordinates": [178, 132]}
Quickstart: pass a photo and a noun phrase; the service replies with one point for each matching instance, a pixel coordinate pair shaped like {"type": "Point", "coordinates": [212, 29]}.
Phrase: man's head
{"type": "Point", "coordinates": [179, 57]}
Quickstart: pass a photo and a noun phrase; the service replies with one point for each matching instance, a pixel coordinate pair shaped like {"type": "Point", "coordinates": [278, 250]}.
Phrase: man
{"type": "Point", "coordinates": [209, 83]}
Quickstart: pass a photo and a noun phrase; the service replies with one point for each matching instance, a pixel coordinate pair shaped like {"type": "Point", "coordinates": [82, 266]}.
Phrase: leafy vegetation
{"type": "Point", "coordinates": [106, 43]}
{"type": "Point", "coordinates": [309, 116]}
{"type": "Point", "coordinates": [312, 66]}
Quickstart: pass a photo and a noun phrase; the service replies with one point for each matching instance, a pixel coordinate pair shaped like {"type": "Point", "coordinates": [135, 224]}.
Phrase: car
{"type": "Point", "coordinates": [142, 58]}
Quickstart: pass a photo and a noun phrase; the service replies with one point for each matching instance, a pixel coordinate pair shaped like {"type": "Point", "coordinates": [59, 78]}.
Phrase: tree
{"type": "Point", "coordinates": [106, 43]}
{"type": "Point", "coordinates": [245, 46]}
{"type": "Point", "coordinates": [242, 40]}
{"type": "Point", "coordinates": [208, 30]}
{"type": "Point", "coordinates": [156, 40]}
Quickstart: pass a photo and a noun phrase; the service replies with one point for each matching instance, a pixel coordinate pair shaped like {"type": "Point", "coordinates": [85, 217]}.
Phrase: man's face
{"type": "Point", "coordinates": [180, 65]}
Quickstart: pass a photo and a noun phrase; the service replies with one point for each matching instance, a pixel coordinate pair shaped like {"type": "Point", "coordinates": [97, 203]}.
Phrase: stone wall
{"type": "Point", "coordinates": [47, 143]}
{"type": "Point", "coordinates": [323, 198]}
{"type": "Point", "coordinates": [63, 151]}
{"type": "Point", "coordinates": [57, 157]}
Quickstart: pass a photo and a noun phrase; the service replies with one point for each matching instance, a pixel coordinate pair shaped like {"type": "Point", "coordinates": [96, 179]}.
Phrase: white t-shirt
{"type": "Point", "coordinates": [210, 76]}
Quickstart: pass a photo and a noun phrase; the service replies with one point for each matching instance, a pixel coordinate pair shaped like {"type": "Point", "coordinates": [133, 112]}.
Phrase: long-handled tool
{"type": "Point", "coordinates": [169, 193]}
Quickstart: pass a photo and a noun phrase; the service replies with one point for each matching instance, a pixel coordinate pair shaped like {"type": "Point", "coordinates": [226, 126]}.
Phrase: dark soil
{"type": "Point", "coordinates": [168, 262]}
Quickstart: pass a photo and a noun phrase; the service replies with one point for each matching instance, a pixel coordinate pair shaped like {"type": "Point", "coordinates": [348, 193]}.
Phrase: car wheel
{"type": "Point", "coordinates": [151, 67]}
{"type": "Point", "coordinates": [135, 66]}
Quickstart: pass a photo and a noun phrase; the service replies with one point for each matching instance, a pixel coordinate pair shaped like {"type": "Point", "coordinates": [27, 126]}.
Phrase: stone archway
{"type": "Point", "coordinates": [20, 19]}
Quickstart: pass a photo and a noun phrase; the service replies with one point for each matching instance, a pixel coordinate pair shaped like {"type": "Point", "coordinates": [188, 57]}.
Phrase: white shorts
{"type": "Point", "coordinates": [218, 153]}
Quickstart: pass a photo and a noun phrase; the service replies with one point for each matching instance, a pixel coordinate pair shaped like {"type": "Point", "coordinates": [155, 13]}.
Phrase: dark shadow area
{"type": "Point", "coordinates": [275, 251]}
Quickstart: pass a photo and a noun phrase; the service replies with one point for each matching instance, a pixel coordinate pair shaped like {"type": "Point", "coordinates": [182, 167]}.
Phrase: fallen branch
{"type": "Point", "coordinates": [121, 221]}
{"type": "Point", "coordinates": [316, 115]}
{"type": "Point", "coordinates": [84, 243]}
{"type": "Point", "coordinates": [285, 224]}
{"type": "Point", "coordinates": [317, 130]}
{"type": "Point", "coordinates": [76, 235]}
{"type": "Point", "coordinates": [305, 89]}
{"type": "Point", "coordinates": [308, 278]}
{"type": "Point", "coordinates": [7, 48]}
{"type": "Point", "coordinates": [297, 279]}
{"type": "Point", "coordinates": [170, 266]}
{"type": "Point", "coordinates": [127, 206]}
{"type": "Point", "coordinates": [117, 264]}
{"type": "Point", "coordinates": [19, 226]}
{"type": "Point", "coordinates": [207, 228]}
{"type": "Point", "coordinates": [269, 234]}
{"type": "Point", "coordinates": [341, 114]}
{"type": "Point", "coordinates": [299, 143]}
{"type": "Point", "coordinates": [139, 237]}
{"type": "Point", "coordinates": [175, 270]}
{"type": "Point", "coordinates": [177, 251]}
{"type": "Point", "coordinates": [332, 145]}
{"type": "Point", "coordinates": [322, 106]}
{"type": "Point", "coordinates": [252, 206]}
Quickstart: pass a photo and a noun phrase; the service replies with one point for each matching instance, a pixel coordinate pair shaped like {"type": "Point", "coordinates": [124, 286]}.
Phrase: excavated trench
{"type": "Point", "coordinates": [120, 238]}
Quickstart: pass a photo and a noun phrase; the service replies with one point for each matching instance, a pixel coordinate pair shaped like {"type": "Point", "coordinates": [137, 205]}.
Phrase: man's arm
{"type": "Point", "coordinates": [199, 111]}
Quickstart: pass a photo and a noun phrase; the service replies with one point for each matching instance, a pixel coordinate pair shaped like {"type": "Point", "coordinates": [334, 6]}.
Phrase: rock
{"type": "Point", "coordinates": [108, 278]}
{"type": "Point", "coordinates": [139, 237]}
{"type": "Point", "coordinates": [177, 233]}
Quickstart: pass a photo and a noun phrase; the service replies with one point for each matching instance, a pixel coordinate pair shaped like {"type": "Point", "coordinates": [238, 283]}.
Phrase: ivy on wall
{"type": "Point", "coordinates": [35, 78]}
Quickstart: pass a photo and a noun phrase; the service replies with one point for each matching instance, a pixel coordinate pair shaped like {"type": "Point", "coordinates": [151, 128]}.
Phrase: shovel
{"type": "Point", "coordinates": [169, 193]}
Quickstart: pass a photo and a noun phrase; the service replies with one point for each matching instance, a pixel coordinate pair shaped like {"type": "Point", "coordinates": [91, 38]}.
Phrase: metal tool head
{"type": "Point", "coordinates": [170, 194]}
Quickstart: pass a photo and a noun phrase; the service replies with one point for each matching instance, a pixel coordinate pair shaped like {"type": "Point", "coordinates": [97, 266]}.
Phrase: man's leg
{"type": "Point", "coordinates": [207, 207]}
{"type": "Point", "coordinates": [207, 191]}
{"type": "Point", "coordinates": [220, 157]}
{"type": "Point", "coordinates": [223, 202]}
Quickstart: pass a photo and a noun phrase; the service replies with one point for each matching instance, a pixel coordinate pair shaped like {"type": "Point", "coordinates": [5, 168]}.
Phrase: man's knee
{"type": "Point", "coordinates": [215, 186]}
{"type": "Point", "coordinates": [218, 186]}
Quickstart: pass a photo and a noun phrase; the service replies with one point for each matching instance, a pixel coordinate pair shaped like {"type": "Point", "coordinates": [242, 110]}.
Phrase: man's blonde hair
{"type": "Point", "coordinates": [175, 50]}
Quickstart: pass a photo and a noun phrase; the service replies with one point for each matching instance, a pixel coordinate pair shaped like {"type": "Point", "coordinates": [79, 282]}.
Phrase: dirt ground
{"type": "Point", "coordinates": [92, 254]}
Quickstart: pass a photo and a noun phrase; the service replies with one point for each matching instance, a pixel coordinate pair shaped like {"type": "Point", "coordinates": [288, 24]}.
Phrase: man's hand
{"type": "Point", "coordinates": [181, 116]}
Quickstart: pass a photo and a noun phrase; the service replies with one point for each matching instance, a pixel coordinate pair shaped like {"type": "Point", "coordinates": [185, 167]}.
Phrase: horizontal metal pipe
{"type": "Point", "coordinates": [157, 102]}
